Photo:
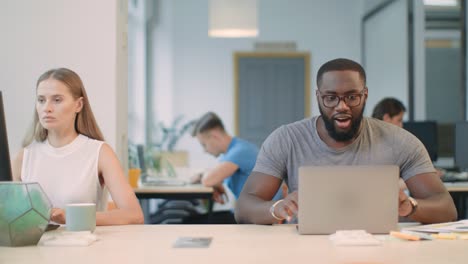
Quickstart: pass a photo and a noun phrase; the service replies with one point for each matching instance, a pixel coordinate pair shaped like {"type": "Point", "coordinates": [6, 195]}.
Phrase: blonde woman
{"type": "Point", "coordinates": [65, 152]}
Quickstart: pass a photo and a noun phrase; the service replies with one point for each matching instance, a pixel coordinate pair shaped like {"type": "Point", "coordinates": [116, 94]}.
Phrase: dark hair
{"type": "Point", "coordinates": [207, 122]}
{"type": "Point", "coordinates": [390, 106]}
{"type": "Point", "coordinates": [341, 64]}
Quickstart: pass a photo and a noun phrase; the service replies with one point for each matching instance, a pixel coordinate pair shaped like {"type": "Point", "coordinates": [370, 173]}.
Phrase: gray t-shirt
{"type": "Point", "coordinates": [379, 143]}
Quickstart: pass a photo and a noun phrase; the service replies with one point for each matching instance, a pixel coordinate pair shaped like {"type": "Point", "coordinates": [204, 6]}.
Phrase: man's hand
{"type": "Point", "coordinates": [57, 215]}
{"type": "Point", "coordinates": [404, 205]}
{"type": "Point", "coordinates": [196, 178]}
{"type": "Point", "coordinates": [288, 208]}
{"type": "Point", "coordinates": [219, 194]}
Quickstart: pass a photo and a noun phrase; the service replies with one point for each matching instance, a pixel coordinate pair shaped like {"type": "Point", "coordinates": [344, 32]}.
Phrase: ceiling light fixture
{"type": "Point", "coordinates": [441, 2]}
{"type": "Point", "coordinates": [233, 18]}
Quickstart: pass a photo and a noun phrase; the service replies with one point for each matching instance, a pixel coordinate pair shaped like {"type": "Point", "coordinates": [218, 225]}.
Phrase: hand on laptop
{"type": "Point", "coordinates": [196, 178]}
{"type": "Point", "coordinates": [287, 208]}
{"type": "Point", "coordinates": [404, 205]}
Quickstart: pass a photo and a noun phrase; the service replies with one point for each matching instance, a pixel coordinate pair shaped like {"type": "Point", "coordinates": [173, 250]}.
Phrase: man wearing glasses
{"type": "Point", "coordinates": [340, 135]}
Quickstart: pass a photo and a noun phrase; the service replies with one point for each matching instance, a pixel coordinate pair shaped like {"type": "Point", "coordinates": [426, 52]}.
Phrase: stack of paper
{"type": "Point", "coordinates": [449, 227]}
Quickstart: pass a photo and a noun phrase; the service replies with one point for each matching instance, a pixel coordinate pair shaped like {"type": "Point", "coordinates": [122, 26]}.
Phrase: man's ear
{"type": "Point", "coordinates": [215, 133]}
{"type": "Point", "coordinates": [317, 94]}
{"type": "Point", "coordinates": [386, 118]}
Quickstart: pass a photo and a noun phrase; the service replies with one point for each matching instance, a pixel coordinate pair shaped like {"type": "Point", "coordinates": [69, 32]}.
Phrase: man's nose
{"type": "Point", "coordinates": [342, 105]}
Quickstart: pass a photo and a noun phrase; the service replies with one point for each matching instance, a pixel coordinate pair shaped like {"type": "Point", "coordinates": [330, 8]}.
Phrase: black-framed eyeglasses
{"type": "Point", "coordinates": [351, 100]}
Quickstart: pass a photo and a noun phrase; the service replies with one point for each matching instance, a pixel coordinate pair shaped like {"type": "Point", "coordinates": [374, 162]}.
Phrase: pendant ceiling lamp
{"type": "Point", "coordinates": [233, 18]}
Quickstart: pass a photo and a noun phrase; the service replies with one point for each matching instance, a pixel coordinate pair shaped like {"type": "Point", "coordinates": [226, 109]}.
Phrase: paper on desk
{"type": "Point", "coordinates": [449, 227]}
{"type": "Point", "coordinates": [82, 239]}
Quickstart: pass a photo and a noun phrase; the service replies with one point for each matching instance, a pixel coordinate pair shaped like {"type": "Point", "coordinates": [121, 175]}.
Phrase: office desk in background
{"type": "Point", "coordinates": [459, 193]}
{"type": "Point", "coordinates": [233, 244]}
{"type": "Point", "coordinates": [185, 192]}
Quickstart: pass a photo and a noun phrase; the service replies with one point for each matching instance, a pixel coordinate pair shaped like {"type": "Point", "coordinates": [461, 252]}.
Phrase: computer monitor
{"type": "Point", "coordinates": [426, 131]}
{"type": "Point", "coordinates": [461, 145]}
{"type": "Point", "coordinates": [5, 163]}
{"type": "Point", "coordinates": [141, 158]}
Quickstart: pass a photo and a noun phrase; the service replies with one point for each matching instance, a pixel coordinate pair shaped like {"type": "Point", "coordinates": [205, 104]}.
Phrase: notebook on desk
{"type": "Point", "coordinates": [348, 198]}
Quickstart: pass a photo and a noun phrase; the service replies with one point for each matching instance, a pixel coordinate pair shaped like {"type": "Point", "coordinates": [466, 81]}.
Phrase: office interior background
{"type": "Point", "coordinates": [149, 61]}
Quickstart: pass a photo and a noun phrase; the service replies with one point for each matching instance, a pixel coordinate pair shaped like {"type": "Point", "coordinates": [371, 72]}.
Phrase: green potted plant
{"type": "Point", "coordinates": [163, 156]}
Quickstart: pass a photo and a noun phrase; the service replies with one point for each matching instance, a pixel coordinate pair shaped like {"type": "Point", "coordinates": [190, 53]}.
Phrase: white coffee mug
{"type": "Point", "coordinates": [80, 217]}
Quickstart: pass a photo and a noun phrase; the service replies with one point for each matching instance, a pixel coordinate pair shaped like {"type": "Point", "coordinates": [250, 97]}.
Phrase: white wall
{"type": "Point", "coordinates": [201, 68]}
{"type": "Point", "coordinates": [87, 36]}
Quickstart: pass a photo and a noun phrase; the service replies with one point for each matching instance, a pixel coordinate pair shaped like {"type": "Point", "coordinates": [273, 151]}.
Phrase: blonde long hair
{"type": "Point", "coordinates": [85, 123]}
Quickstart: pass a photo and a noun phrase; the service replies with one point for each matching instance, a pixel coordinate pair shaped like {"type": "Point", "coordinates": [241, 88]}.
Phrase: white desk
{"type": "Point", "coordinates": [456, 186]}
{"type": "Point", "coordinates": [233, 244]}
{"type": "Point", "coordinates": [459, 193]}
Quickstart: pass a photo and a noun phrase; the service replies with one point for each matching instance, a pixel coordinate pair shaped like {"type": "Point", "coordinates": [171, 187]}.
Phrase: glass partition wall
{"type": "Point", "coordinates": [445, 67]}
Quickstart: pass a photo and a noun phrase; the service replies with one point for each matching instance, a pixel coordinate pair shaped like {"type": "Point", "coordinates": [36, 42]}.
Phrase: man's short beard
{"type": "Point", "coordinates": [342, 136]}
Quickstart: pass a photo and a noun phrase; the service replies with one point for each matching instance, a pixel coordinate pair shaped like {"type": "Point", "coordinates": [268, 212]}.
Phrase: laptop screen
{"type": "Point", "coordinates": [335, 198]}
{"type": "Point", "coordinates": [5, 165]}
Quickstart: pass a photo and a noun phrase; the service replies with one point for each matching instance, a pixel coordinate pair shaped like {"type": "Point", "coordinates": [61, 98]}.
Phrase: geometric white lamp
{"type": "Point", "coordinates": [233, 18]}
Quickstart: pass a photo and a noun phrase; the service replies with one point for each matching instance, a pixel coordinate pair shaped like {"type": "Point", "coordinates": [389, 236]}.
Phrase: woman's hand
{"type": "Point", "coordinates": [57, 215]}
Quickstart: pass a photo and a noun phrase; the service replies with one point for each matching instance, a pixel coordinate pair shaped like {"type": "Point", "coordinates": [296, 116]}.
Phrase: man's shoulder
{"type": "Point", "coordinates": [384, 130]}
{"type": "Point", "coordinates": [385, 127]}
{"type": "Point", "coordinates": [307, 124]}
{"type": "Point", "coordinates": [244, 145]}
{"type": "Point", "coordinates": [302, 123]}
{"type": "Point", "coordinates": [301, 129]}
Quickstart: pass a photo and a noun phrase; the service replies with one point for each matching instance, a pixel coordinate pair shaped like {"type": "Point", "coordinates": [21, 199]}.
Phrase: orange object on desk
{"type": "Point", "coordinates": [133, 176]}
{"type": "Point", "coordinates": [405, 236]}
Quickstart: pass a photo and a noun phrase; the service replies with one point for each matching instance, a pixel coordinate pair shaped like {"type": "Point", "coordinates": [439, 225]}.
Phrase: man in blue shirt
{"type": "Point", "coordinates": [236, 158]}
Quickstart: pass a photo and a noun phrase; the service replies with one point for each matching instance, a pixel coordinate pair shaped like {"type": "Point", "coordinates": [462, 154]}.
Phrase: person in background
{"type": "Point", "coordinates": [66, 154]}
{"type": "Point", "coordinates": [341, 135]}
{"type": "Point", "coordinates": [390, 110]}
{"type": "Point", "coordinates": [236, 158]}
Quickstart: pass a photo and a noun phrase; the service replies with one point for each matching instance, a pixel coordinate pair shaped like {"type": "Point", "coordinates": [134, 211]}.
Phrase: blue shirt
{"type": "Point", "coordinates": [244, 155]}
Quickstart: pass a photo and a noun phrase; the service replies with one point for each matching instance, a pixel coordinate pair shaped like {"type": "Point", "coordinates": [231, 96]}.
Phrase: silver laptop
{"type": "Point", "coordinates": [347, 198]}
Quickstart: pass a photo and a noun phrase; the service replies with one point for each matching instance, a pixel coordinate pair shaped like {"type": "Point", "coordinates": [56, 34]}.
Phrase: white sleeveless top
{"type": "Point", "coordinates": [68, 174]}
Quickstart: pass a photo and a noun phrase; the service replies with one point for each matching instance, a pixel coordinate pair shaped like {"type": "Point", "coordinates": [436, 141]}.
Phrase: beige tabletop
{"type": "Point", "coordinates": [456, 186]}
{"type": "Point", "coordinates": [233, 244]}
